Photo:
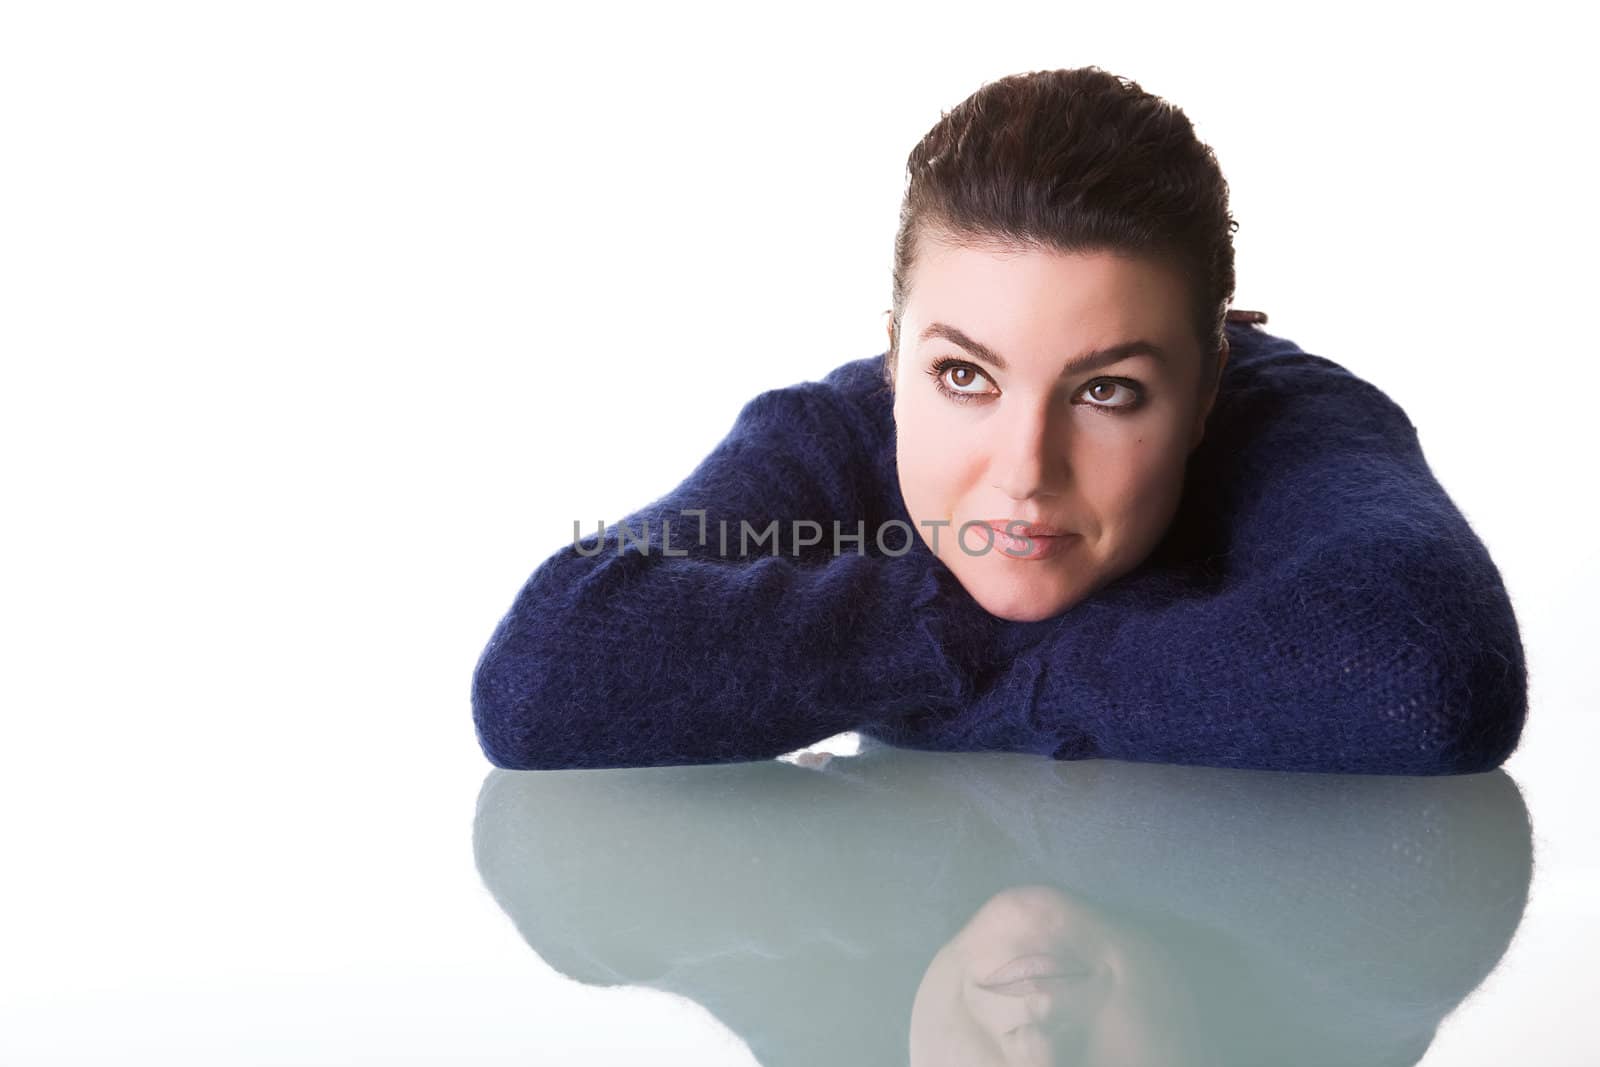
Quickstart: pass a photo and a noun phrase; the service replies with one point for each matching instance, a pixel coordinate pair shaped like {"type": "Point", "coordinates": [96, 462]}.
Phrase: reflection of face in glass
{"type": "Point", "coordinates": [1113, 998]}
{"type": "Point", "coordinates": [1097, 451]}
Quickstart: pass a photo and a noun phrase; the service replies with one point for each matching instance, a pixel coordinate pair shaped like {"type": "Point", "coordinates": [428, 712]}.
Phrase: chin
{"type": "Point", "coordinates": [1014, 608]}
{"type": "Point", "coordinates": [1027, 615]}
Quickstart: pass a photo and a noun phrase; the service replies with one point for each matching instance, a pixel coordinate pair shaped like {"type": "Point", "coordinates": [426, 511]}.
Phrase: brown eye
{"type": "Point", "coordinates": [1101, 394]}
{"type": "Point", "coordinates": [959, 380]}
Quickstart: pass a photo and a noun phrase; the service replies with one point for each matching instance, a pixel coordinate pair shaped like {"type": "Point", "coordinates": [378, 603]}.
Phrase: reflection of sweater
{"type": "Point", "coordinates": [1318, 604]}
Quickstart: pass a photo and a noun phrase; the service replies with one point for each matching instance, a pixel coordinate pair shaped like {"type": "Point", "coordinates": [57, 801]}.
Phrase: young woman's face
{"type": "Point", "coordinates": [996, 421]}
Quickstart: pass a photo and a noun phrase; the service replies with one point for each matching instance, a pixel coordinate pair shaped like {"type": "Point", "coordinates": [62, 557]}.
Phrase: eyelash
{"type": "Point", "coordinates": [936, 372]}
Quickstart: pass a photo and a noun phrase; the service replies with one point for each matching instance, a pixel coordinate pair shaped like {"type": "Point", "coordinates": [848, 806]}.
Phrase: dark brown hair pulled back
{"type": "Point", "coordinates": [1073, 161]}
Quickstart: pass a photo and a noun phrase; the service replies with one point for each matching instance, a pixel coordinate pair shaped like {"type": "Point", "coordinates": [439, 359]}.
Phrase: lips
{"type": "Point", "coordinates": [1026, 529]}
{"type": "Point", "coordinates": [1051, 987]}
{"type": "Point", "coordinates": [1023, 971]}
{"type": "Point", "coordinates": [1031, 544]}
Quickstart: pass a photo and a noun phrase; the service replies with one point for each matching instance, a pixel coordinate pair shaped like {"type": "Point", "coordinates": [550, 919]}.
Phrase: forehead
{"type": "Point", "coordinates": [1024, 295]}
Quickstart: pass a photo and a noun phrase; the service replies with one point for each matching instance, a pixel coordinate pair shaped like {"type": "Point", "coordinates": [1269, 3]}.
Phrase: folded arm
{"type": "Point", "coordinates": [646, 657]}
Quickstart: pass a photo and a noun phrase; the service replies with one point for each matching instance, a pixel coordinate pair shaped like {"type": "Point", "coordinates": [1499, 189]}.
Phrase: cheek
{"type": "Point", "coordinates": [936, 461]}
{"type": "Point", "coordinates": [1133, 476]}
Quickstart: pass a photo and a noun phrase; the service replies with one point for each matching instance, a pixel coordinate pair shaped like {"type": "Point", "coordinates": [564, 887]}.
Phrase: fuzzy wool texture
{"type": "Point", "coordinates": [1319, 604]}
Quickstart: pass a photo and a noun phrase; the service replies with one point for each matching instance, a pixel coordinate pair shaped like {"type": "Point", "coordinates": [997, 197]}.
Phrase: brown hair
{"type": "Point", "coordinates": [1073, 161]}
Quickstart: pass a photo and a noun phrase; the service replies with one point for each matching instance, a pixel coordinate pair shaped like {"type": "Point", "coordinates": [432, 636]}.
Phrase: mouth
{"type": "Point", "coordinates": [1027, 973]}
{"type": "Point", "coordinates": [1020, 528]}
{"type": "Point", "coordinates": [1033, 543]}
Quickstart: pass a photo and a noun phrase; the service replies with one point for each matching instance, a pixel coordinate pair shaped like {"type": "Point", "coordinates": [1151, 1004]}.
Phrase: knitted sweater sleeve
{"type": "Point", "coordinates": [658, 642]}
{"type": "Point", "coordinates": [1350, 620]}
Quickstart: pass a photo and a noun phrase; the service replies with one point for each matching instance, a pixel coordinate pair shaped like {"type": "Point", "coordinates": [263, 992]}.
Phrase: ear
{"type": "Point", "coordinates": [888, 327]}
{"type": "Point", "coordinates": [1208, 400]}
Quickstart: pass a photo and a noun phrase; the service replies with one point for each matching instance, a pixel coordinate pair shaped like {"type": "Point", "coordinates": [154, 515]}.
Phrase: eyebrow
{"type": "Point", "coordinates": [1087, 361]}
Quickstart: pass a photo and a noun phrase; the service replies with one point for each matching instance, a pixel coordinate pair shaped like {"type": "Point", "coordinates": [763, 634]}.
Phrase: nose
{"type": "Point", "coordinates": [1028, 458]}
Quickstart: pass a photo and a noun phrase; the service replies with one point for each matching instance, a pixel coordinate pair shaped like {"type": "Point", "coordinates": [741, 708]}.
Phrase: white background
{"type": "Point", "coordinates": [321, 321]}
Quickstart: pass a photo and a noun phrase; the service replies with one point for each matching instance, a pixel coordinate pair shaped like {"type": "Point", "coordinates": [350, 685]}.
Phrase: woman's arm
{"type": "Point", "coordinates": [644, 658]}
{"type": "Point", "coordinates": [1351, 621]}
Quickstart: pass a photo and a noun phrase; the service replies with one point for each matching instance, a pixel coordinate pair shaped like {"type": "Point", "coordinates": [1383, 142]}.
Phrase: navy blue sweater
{"type": "Point", "coordinates": [1318, 604]}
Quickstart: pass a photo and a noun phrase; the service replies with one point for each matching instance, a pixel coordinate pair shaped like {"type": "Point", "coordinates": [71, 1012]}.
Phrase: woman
{"type": "Point", "coordinates": [1222, 550]}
